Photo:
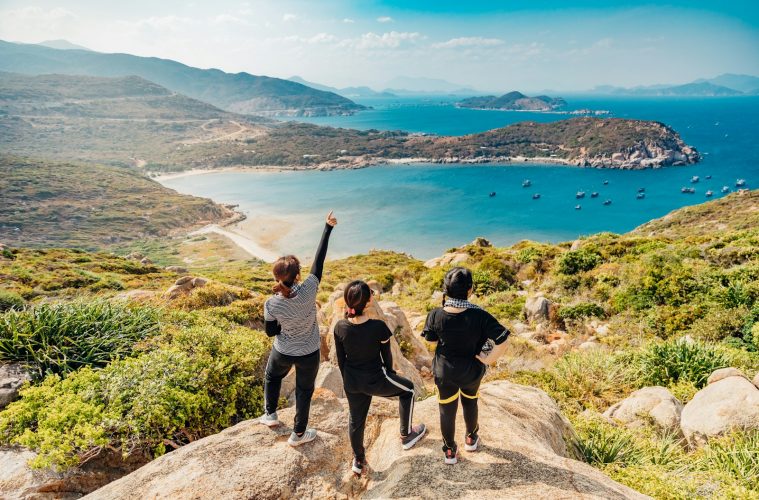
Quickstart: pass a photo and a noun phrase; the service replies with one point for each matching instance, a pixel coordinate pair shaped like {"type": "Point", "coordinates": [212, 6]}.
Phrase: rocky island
{"type": "Point", "coordinates": [513, 101]}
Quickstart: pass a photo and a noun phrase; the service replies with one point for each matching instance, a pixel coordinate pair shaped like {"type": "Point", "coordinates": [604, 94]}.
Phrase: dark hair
{"type": "Point", "coordinates": [457, 283]}
{"type": "Point", "coordinates": [285, 270]}
{"type": "Point", "coordinates": [356, 296]}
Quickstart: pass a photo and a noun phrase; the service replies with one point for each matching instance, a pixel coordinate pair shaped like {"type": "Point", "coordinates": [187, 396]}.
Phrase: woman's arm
{"type": "Point", "coordinates": [340, 352]}
{"type": "Point", "coordinates": [273, 328]}
{"type": "Point", "coordinates": [387, 356]}
{"type": "Point", "coordinates": [321, 252]}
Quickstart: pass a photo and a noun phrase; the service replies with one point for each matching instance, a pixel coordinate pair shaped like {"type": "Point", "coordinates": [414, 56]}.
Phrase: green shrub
{"type": "Point", "coordinates": [601, 443]}
{"type": "Point", "coordinates": [484, 282]}
{"type": "Point", "coordinates": [203, 379]}
{"type": "Point", "coordinates": [670, 362]}
{"type": "Point", "coordinates": [719, 324]}
{"type": "Point", "coordinates": [581, 311]}
{"type": "Point", "coordinates": [59, 338]}
{"type": "Point", "coordinates": [498, 268]}
{"type": "Point", "coordinates": [736, 455]}
{"type": "Point", "coordinates": [211, 295]}
{"type": "Point", "coordinates": [10, 300]}
{"type": "Point", "coordinates": [671, 321]}
{"type": "Point", "coordinates": [576, 261]}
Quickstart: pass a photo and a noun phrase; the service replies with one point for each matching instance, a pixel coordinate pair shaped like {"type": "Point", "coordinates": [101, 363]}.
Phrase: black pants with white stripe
{"type": "Point", "coordinates": [358, 402]}
{"type": "Point", "coordinates": [306, 368]}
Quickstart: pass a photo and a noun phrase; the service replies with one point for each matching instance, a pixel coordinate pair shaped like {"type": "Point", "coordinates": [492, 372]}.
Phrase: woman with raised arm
{"type": "Point", "coordinates": [465, 334]}
{"type": "Point", "coordinates": [290, 316]}
{"type": "Point", "coordinates": [363, 353]}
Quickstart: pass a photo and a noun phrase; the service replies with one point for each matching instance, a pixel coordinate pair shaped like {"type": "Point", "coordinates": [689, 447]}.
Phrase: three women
{"type": "Point", "coordinates": [461, 330]}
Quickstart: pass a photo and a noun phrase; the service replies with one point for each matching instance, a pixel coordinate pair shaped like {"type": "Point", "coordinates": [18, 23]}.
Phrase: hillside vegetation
{"type": "Point", "coordinates": [240, 92]}
{"type": "Point", "coordinates": [91, 206]}
{"type": "Point", "coordinates": [513, 101]}
{"type": "Point", "coordinates": [132, 122]}
{"type": "Point", "coordinates": [201, 363]}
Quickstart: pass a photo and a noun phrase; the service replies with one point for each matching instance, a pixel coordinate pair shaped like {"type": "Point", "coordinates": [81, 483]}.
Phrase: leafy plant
{"type": "Point", "coordinates": [60, 338]}
{"type": "Point", "coordinates": [601, 443]}
{"type": "Point", "coordinates": [10, 300]}
{"type": "Point", "coordinates": [582, 310]}
{"type": "Point", "coordinates": [737, 455]}
{"type": "Point", "coordinates": [576, 261]}
{"type": "Point", "coordinates": [680, 360]}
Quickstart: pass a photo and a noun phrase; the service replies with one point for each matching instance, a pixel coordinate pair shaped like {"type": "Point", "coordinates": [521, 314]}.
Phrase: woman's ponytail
{"type": "Point", "coordinates": [283, 289]}
{"type": "Point", "coordinates": [286, 270]}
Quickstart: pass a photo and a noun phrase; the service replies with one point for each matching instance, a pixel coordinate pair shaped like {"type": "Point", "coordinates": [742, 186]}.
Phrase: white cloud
{"type": "Point", "coordinates": [385, 19]}
{"type": "Point", "coordinates": [35, 23]}
{"type": "Point", "coordinates": [319, 38]}
{"type": "Point", "coordinates": [390, 40]}
{"type": "Point", "coordinates": [348, 20]}
{"type": "Point", "coordinates": [468, 41]}
{"type": "Point", "coordinates": [163, 24]}
{"type": "Point", "coordinates": [289, 17]}
{"type": "Point", "coordinates": [231, 19]}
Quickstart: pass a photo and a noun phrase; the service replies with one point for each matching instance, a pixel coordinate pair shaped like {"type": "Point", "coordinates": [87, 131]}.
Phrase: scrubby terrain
{"type": "Point", "coordinates": [629, 334]}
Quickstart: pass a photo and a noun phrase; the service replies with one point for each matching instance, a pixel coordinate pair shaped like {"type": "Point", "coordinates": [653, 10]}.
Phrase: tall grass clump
{"type": "Point", "coordinates": [601, 443]}
{"type": "Point", "coordinates": [736, 455]}
{"type": "Point", "coordinates": [680, 360]}
{"type": "Point", "coordinates": [61, 338]}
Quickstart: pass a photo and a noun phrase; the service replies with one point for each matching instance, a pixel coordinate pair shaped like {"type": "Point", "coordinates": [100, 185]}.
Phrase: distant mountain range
{"type": "Point", "coordinates": [241, 92]}
{"type": "Point", "coordinates": [513, 101]}
{"type": "Point", "coordinates": [411, 85]}
{"type": "Point", "coordinates": [62, 45]}
{"type": "Point", "coordinates": [722, 85]}
{"type": "Point", "coordinates": [349, 92]}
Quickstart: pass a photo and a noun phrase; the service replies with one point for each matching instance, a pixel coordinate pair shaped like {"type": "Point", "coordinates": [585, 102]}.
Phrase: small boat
{"type": "Point", "coordinates": [708, 177]}
{"type": "Point", "coordinates": [709, 193]}
{"type": "Point", "coordinates": [740, 182]}
{"type": "Point", "coordinates": [580, 194]}
{"type": "Point", "coordinates": [641, 190]}
{"type": "Point", "coordinates": [725, 189]}
{"type": "Point", "coordinates": [640, 196]}
{"type": "Point", "coordinates": [536, 196]}
{"type": "Point", "coordinates": [687, 190]}
{"type": "Point", "coordinates": [492, 194]}
{"type": "Point", "coordinates": [694, 179]}
{"type": "Point", "coordinates": [607, 202]}
{"type": "Point", "coordinates": [594, 194]}
{"type": "Point", "coordinates": [526, 183]}
{"type": "Point", "coordinates": [606, 183]}
{"type": "Point", "coordinates": [578, 207]}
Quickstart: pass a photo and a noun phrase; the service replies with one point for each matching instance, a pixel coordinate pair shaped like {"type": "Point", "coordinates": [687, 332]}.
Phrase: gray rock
{"type": "Point", "coordinates": [724, 373]}
{"type": "Point", "coordinates": [12, 378]}
{"type": "Point", "coordinates": [537, 308]}
{"type": "Point", "coordinates": [656, 403]}
{"type": "Point", "coordinates": [177, 269]}
{"type": "Point", "coordinates": [756, 380]}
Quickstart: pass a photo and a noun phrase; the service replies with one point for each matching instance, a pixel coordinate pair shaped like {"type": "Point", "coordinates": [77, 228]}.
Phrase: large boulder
{"type": "Point", "coordinates": [524, 456]}
{"type": "Point", "coordinates": [399, 324]}
{"type": "Point", "coordinates": [727, 404]}
{"type": "Point", "coordinates": [723, 373]}
{"type": "Point", "coordinates": [537, 309]}
{"type": "Point", "coordinates": [654, 403]}
{"type": "Point", "coordinates": [448, 259]}
{"type": "Point", "coordinates": [12, 378]}
{"type": "Point", "coordinates": [183, 286]}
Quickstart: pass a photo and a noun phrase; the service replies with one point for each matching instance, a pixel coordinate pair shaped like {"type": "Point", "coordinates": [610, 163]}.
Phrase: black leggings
{"type": "Point", "coordinates": [448, 399]}
{"type": "Point", "coordinates": [306, 368]}
{"type": "Point", "coordinates": [358, 403]}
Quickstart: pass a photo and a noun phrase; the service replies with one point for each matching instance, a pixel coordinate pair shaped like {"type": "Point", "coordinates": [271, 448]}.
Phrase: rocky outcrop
{"type": "Point", "coordinates": [723, 405]}
{"type": "Point", "coordinates": [184, 286]}
{"type": "Point", "coordinates": [398, 323]}
{"type": "Point", "coordinates": [524, 456]}
{"type": "Point", "coordinates": [12, 378]}
{"type": "Point", "coordinates": [654, 404]}
{"type": "Point", "coordinates": [448, 259]}
{"type": "Point", "coordinates": [723, 373]}
{"type": "Point", "coordinates": [18, 481]}
{"type": "Point", "coordinates": [537, 309]}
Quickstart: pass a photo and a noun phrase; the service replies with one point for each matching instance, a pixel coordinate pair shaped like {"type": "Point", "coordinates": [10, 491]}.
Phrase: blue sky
{"type": "Point", "coordinates": [490, 45]}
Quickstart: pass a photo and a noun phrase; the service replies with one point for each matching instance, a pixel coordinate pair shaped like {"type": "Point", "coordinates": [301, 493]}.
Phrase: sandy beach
{"type": "Point", "coordinates": [242, 240]}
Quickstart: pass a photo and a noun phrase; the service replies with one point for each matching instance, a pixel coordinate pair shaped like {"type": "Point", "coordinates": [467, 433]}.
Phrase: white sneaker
{"type": "Point", "coordinates": [269, 420]}
{"type": "Point", "coordinates": [307, 436]}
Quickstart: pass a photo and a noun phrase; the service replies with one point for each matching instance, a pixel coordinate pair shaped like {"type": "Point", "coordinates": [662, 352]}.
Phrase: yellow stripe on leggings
{"type": "Point", "coordinates": [448, 400]}
{"type": "Point", "coordinates": [470, 397]}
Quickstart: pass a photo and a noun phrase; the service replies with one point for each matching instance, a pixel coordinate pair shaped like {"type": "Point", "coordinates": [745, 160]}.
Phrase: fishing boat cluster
{"type": "Point", "coordinates": [641, 194]}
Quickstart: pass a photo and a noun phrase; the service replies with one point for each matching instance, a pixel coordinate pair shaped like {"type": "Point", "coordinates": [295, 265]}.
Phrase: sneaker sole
{"type": "Point", "coordinates": [275, 423]}
{"type": "Point", "coordinates": [472, 447]}
{"type": "Point", "coordinates": [411, 443]}
{"type": "Point", "coordinates": [357, 471]}
{"type": "Point", "coordinates": [451, 461]}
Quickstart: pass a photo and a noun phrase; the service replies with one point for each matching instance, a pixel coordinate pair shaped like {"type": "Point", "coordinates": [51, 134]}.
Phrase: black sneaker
{"type": "Point", "coordinates": [472, 442]}
{"type": "Point", "coordinates": [417, 432]}
{"type": "Point", "coordinates": [451, 455]}
{"type": "Point", "coordinates": [358, 466]}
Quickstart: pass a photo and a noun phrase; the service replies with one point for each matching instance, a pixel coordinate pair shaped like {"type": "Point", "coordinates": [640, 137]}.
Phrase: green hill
{"type": "Point", "coordinates": [47, 204]}
{"type": "Point", "coordinates": [513, 101]}
{"type": "Point", "coordinates": [240, 92]}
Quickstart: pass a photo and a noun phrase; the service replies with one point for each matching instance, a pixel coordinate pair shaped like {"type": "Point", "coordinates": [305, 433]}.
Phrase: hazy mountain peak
{"type": "Point", "coordinates": [61, 44]}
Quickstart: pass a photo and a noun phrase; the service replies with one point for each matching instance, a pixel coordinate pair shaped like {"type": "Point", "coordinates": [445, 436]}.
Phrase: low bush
{"type": "Point", "coordinates": [10, 300]}
{"type": "Point", "coordinates": [60, 338]}
{"type": "Point", "coordinates": [736, 455]}
{"type": "Point", "coordinates": [581, 311]}
{"type": "Point", "coordinates": [719, 324]}
{"type": "Point", "coordinates": [211, 295]}
{"type": "Point", "coordinates": [680, 360]}
{"type": "Point", "coordinates": [601, 443]}
{"type": "Point", "coordinates": [577, 261]}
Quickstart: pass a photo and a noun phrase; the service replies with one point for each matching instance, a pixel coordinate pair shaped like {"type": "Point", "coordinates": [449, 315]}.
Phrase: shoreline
{"type": "Point", "coordinates": [242, 241]}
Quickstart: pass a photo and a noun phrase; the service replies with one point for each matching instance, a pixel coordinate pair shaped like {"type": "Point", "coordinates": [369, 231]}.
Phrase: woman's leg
{"type": "Point", "coordinates": [394, 385]}
{"type": "Point", "coordinates": [277, 367]}
{"type": "Point", "coordinates": [306, 368]}
{"type": "Point", "coordinates": [469, 398]}
{"type": "Point", "coordinates": [358, 405]}
{"type": "Point", "coordinates": [448, 402]}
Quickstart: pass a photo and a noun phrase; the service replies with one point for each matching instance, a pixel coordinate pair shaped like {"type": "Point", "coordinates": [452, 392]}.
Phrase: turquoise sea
{"type": "Point", "coordinates": [426, 209]}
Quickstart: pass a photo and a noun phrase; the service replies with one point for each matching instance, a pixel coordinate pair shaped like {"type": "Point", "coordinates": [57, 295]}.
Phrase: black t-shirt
{"type": "Point", "coordinates": [362, 349]}
{"type": "Point", "coordinates": [460, 337]}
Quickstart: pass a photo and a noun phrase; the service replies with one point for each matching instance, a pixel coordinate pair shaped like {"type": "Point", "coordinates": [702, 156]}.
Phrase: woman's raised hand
{"type": "Point", "coordinates": [331, 220]}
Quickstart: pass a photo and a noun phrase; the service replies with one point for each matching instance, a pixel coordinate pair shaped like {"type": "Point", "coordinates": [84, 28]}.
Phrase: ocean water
{"type": "Point", "coordinates": [426, 209]}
